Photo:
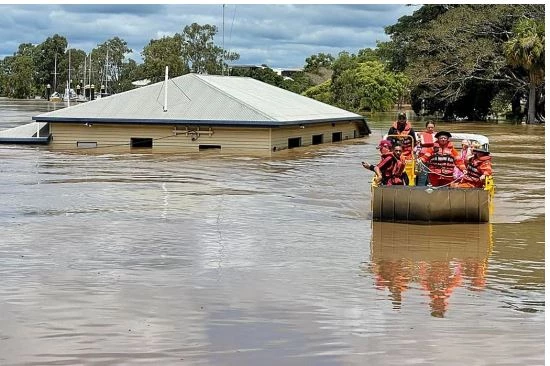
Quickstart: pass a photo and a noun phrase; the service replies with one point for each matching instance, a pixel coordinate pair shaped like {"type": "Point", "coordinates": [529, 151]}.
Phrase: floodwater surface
{"type": "Point", "coordinates": [213, 259]}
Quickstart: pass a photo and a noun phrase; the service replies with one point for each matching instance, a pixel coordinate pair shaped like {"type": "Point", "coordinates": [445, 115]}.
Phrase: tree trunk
{"type": "Point", "coordinates": [531, 109]}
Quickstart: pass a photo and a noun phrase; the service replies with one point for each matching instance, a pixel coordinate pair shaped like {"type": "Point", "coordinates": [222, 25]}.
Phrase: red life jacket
{"type": "Point", "coordinates": [426, 139]}
{"type": "Point", "coordinates": [392, 169]}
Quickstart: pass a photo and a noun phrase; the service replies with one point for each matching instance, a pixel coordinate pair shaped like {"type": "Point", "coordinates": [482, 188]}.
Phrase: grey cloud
{"type": "Point", "coordinates": [278, 35]}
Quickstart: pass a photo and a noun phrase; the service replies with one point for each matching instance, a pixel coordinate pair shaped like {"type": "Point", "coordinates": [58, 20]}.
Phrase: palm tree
{"type": "Point", "coordinates": [526, 49]}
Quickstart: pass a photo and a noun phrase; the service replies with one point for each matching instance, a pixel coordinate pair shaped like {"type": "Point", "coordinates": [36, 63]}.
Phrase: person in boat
{"type": "Point", "coordinates": [398, 154]}
{"type": "Point", "coordinates": [441, 160]}
{"type": "Point", "coordinates": [402, 127]}
{"type": "Point", "coordinates": [479, 167]}
{"type": "Point", "coordinates": [426, 140]}
{"type": "Point", "coordinates": [389, 171]}
{"type": "Point", "coordinates": [465, 154]}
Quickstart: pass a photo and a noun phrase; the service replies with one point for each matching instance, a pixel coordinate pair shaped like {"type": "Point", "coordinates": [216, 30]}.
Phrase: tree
{"type": "Point", "coordinates": [45, 58]}
{"type": "Point", "coordinates": [21, 80]}
{"type": "Point", "coordinates": [450, 51]}
{"type": "Point", "coordinates": [163, 52]}
{"type": "Point", "coordinates": [108, 62]}
{"type": "Point", "coordinates": [368, 86]}
{"type": "Point", "coordinates": [320, 92]}
{"type": "Point", "coordinates": [526, 50]}
{"type": "Point", "coordinates": [320, 60]}
{"type": "Point", "coordinates": [199, 52]}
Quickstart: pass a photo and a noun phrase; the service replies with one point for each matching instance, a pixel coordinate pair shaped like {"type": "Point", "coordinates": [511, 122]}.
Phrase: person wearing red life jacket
{"type": "Point", "coordinates": [389, 171]}
{"type": "Point", "coordinates": [441, 160]}
{"type": "Point", "coordinates": [479, 167]}
{"type": "Point", "coordinates": [425, 142]}
{"type": "Point", "coordinates": [403, 128]}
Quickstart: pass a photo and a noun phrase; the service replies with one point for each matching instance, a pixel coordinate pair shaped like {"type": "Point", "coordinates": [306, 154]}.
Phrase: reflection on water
{"type": "Point", "coordinates": [434, 259]}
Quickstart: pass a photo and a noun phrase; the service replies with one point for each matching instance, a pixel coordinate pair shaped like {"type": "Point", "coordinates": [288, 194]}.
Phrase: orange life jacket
{"type": "Point", "coordinates": [407, 143]}
{"type": "Point", "coordinates": [442, 160]}
{"type": "Point", "coordinates": [476, 168]}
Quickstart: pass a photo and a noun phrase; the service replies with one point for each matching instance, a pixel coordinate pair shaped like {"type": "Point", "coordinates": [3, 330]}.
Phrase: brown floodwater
{"type": "Point", "coordinates": [213, 259]}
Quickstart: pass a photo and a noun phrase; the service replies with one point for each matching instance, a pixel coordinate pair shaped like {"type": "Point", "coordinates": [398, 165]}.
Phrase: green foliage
{"type": "Point", "coordinates": [163, 52]}
{"type": "Point", "coordinates": [450, 52]}
{"type": "Point", "coordinates": [314, 62]}
{"type": "Point", "coordinates": [20, 81]}
{"type": "Point", "coordinates": [367, 86]}
{"type": "Point", "coordinates": [320, 92]}
{"type": "Point", "coordinates": [526, 50]}
{"type": "Point", "coordinates": [108, 61]}
{"type": "Point", "coordinates": [264, 74]}
{"type": "Point", "coordinates": [199, 52]}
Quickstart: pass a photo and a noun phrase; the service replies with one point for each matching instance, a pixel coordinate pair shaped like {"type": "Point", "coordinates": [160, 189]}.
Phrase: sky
{"type": "Point", "coordinates": [278, 35]}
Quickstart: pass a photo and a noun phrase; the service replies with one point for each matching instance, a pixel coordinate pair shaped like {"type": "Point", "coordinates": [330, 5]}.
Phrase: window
{"type": "Point", "coordinates": [294, 142]}
{"type": "Point", "coordinates": [86, 144]}
{"type": "Point", "coordinates": [142, 142]}
{"type": "Point", "coordinates": [336, 136]}
{"type": "Point", "coordinates": [316, 139]}
{"type": "Point", "coordinates": [209, 147]}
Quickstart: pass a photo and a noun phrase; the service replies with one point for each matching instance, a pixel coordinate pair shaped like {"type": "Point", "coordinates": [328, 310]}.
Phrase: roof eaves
{"type": "Point", "coordinates": [149, 121]}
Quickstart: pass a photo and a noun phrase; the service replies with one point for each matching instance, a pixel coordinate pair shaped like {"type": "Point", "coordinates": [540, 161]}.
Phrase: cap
{"type": "Point", "coordinates": [402, 115]}
{"type": "Point", "coordinates": [442, 133]}
{"type": "Point", "coordinates": [385, 143]}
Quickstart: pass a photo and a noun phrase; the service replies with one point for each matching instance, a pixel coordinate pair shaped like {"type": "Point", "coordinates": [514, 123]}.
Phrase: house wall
{"type": "Point", "coordinates": [261, 140]}
{"type": "Point", "coordinates": [280, 136]}
{"type": "Point", "coordinates": [66, 136]}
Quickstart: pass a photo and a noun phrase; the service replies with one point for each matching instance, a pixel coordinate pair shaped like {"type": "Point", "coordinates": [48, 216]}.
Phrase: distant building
{"type": "Point", "coordinates": [202, 112]}
{"type": "Point", "coordinates": [287, 73]}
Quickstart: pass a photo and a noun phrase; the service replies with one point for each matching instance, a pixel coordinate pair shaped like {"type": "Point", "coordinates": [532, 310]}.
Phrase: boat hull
{"type": "Point", "coordinates": [425, 204]}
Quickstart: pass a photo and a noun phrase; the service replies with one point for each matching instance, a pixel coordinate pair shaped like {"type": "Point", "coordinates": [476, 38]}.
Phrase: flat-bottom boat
{"type": "Point", "coordinates": [426, 204]}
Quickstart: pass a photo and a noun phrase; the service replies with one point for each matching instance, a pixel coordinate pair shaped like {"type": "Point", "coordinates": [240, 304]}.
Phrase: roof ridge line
{"type": "Point", "coordinates": [232, 97]}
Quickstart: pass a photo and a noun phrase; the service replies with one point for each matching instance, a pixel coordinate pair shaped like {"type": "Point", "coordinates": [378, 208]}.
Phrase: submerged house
{"type": "Point", "coordinates": [195, 112]}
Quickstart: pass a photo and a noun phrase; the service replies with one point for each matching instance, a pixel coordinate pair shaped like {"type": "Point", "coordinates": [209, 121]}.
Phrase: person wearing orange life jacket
{"type": "Point", "coordinates": [479, 167]}
{"type": "Point", "coordinates": [426, 140]}
{"type": "Point", "coordinates": [441, 160]}
{"type": "Point", "coordinates": [389, 171]}
{"type": "Point", "coordinates": [402, 127]}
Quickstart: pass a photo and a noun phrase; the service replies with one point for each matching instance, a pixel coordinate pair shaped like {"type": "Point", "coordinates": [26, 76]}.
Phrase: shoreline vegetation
{"type": "Point", "coordinates": [482, 62]}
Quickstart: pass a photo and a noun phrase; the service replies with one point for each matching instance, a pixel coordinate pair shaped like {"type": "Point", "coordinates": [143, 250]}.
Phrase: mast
{"type": "Point", "coordinates": [106, 69]}
{"type": "Point", "coordinates": [223, 37]}
{"type": "Point", "coordinates": [55, 74]}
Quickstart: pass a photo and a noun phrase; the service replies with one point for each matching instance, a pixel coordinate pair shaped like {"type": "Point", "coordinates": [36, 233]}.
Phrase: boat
{"type": "Point", "coordinates": [426, 204]}
{"type": "Point", "coordinates": [56, 97]}
{"type": "Point", "coordinates": [70, 95]}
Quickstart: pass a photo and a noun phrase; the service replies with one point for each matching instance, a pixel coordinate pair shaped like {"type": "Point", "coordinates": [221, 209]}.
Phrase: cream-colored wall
{"type": "Point", "coordinates": [261, 140]}
{"type": "Point", "coordinates": [280, 136]}
{"type": "Point", "coordinates": [65, 136]}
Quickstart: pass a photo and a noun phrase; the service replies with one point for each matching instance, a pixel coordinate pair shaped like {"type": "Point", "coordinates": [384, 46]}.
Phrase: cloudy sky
{"type": "Point", "coordinates": [280, 35]}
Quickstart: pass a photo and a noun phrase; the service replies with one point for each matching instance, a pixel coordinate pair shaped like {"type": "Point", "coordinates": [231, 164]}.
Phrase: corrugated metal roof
{"type": "Point", "coordinates": [204, 99]}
